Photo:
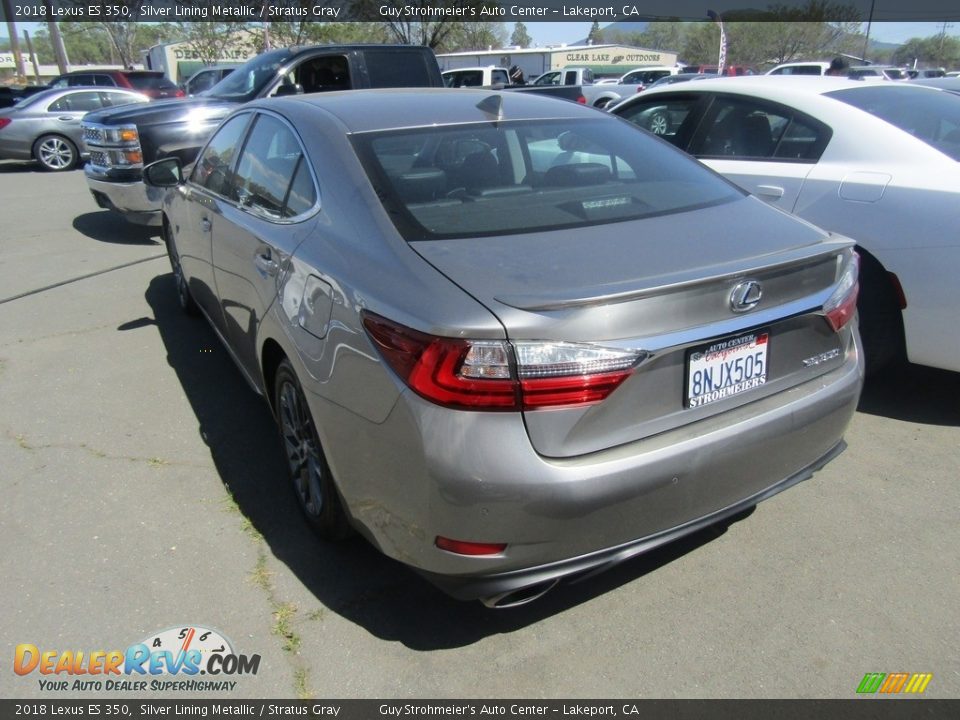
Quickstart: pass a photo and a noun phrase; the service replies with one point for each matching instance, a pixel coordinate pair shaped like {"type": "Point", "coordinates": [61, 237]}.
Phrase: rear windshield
{"type": "Point", "coordinates": [150, 81]}
{"type": "Point", "coordinates": [514, 177]}
{"type": "Point", "coordinates": [932, 116]}
{"type": "Point", "coordinates": [388, 68]}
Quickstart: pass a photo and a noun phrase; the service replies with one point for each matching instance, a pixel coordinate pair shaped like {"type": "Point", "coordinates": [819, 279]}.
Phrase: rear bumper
{"type": "Point", "coordinates": [132, 199]}
{"type": "Point", "coordinates": [427, 471]}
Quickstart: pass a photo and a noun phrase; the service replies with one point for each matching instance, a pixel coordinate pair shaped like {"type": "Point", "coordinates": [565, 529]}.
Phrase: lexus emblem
{"type": "Point", "coordinates": [745, 296]}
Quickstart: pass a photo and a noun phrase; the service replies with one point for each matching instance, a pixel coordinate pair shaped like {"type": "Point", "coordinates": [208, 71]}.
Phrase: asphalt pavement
{"type": "Point", "coordinates": [142, 490]}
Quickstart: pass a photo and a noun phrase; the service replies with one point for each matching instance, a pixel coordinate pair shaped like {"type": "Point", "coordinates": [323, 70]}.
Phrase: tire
{"type": "Point", "coordinates": [659, 123]}
{"type": "Point", "coordinates": [602, 103]}
{"type": "Point", "coordinates": [307, 466]}
{"type": "Point", "coordinates": [55, 153]}
{"type": "Point", "coordinates": [881, 322]}
{"type": "Point", "coordinates": [184, 298]}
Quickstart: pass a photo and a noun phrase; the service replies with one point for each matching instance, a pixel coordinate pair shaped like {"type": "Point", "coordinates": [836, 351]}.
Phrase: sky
{"type": "Point", "coordinates": [553, 33]}
{"type": "Point", "coordinates": [556, 33]}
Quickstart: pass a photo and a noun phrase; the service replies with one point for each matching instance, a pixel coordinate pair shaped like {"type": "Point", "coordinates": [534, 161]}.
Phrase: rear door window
{"type": "Point", "coordinates": [77, 102]}
{"type": "Point", "coordinates": [672, 117]}
{"type": "Point", "coordinates": [744, 128]}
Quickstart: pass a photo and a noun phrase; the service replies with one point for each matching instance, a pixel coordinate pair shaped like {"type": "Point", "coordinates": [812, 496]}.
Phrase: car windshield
{"type": "Point", "coordinates": [931, 116]}
{"type": "Point", "coordinates": [247, 81]}
{"type": "Point", "coordinates": [526, 176]}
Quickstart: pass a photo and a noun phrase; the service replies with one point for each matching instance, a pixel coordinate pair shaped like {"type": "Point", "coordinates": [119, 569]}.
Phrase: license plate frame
{"type": "Point", "coordinates": [726, 368]}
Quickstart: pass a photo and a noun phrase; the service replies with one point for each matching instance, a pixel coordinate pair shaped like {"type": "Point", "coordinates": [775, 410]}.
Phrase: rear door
{"type": "Point", "coordinates": [767, 149]}
{"type": "Point", "coordinates": [253, 239]}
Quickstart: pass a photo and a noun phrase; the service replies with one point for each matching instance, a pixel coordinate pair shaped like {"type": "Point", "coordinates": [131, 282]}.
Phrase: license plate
{"type": "Point", "coordinates": [726, 368]}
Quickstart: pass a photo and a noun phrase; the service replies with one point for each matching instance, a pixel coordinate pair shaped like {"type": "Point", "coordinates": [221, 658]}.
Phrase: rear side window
{"type": "Point", "coordinates": [387, 69]}
{"type": "Point", "coordinates": [77, 102]}
{"type": "Point", "coordinates": [464, 78]}
{"type": "Point", "coordinates": [150, 82]}
{"type": "Point", "coordinates": [932, 116]}
{"type": "Point", "coordinates": [528, 176]}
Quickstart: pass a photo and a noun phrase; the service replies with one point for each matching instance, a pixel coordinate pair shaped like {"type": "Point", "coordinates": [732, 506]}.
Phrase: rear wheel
{"type": "Point", "coordinates": [306, 464]}
{"type": "Point", "coordinates": [184, 298]}
{"type": "Point", "coordinates": [56, 153]}
{"type": "Point", "coordinates": [881, 322]}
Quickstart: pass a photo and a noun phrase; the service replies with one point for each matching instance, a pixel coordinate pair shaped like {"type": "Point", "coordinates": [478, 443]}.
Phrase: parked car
{"type": "Point", "coordinates": [151, 83]}
{"type": "Point", "coordinates": [924, 73]}
{"type": "Point", "coordinates": [488, 76]}
{"type": "Point", "coordinates": [682, 77]}
{"type": "Point", "coordinates": [594, 94]}
{"type": "Point", "coordinates": [876, 73]}
{"type": "Point", "coordinates": [510, 352]}
{"type": "Point", "coordinates": [206, 78]}
{"type": "Point", "coordinates": [800, 68]}
{"type": "Point", "coordinates": [728, 70]}
{"type": "Point", "coordinates": [876, 162]}
{"type": "Point", "coordinates": [46, 126]}
{"type": "Point", "coordinates": [646, 76]}
{"type": "Point", "coordinates": [121, 142]}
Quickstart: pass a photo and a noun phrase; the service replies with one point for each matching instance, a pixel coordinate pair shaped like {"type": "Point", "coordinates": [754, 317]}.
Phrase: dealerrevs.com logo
{"type": "Point", "coordinates": [170, 660]}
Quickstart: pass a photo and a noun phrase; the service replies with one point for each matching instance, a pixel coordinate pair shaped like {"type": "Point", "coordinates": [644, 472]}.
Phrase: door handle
{"type": "Point", "coordinates": [205, 225]}
{"type": "Point", "coordinates": [266, 264]}
{"type": "Point", "coordinates": [770, 191]}
{"type": "Point", "coordinates": [66, 118]}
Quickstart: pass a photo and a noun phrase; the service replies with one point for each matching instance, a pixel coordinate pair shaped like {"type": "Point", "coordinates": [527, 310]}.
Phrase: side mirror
{"type": "Point", "coordinates": [289, 89]}
{"type": "Point", "coordinates": [164, 173]}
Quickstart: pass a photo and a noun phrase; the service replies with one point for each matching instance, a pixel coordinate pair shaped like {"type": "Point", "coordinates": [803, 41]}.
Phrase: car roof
{"type": "Point", "coordinates": [770, 86]}
{"type": "Point", "coordinates": [363, 110]}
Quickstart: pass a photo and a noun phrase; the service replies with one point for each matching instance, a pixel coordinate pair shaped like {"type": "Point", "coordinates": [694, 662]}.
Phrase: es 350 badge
{"type": "Point", "coordinates": [178, 651]}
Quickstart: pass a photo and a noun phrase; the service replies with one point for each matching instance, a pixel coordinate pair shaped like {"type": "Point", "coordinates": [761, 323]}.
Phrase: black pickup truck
{"type": "Point", "coordinates": [122, 140]}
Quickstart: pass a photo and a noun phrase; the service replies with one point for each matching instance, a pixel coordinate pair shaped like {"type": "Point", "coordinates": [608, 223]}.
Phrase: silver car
{"type": "Point", "coordinates": [46, 127]}
{"type": "Point", "coordinates": [507, 339]}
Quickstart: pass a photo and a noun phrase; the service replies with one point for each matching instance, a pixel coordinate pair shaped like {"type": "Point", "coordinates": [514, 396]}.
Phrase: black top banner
{"type": "Point", "coordinates": [481, 10]}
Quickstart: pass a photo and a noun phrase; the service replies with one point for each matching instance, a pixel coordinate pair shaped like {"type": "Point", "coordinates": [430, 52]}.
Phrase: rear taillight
{"type": "Point", "coordinates": [841, 306]}
{"type": "Point", "coordinates": [464, 547]}
{"type": "Point", "coordinates": [496, 374]}
{"type": "Point", "coordinates": [582, 100]}
{"type": "Point", "coordinates": [4, 122]}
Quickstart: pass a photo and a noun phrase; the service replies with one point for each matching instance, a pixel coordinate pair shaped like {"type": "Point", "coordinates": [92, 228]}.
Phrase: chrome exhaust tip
{"type": "Point", "coordinates": [520, 596]}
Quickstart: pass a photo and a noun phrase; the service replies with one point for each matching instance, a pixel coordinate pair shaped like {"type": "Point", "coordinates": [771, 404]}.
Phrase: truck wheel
{"type": "Point", "coordinates": [55, 153]}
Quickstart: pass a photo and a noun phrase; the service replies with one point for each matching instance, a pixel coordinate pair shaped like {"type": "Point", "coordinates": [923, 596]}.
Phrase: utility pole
{"type": "Point", "coordinates": [59, 51]}
{"type": "Point", "coordinates": [33, 57]}
{"type": "Point", "coordinates": [14, 40]}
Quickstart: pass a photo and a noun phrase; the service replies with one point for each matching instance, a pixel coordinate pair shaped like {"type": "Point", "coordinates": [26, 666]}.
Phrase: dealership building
{"type": "Point", "coordinates": [603, 60]}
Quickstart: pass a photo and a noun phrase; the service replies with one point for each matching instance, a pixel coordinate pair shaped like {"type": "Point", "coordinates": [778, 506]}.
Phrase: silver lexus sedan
{"type": "Point", "coordinates": [510, 339]}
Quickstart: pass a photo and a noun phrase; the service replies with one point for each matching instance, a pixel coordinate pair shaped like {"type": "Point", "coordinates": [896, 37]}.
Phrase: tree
{"type": "Point", "coordinates": [520, 36]}
{"type": "Point", "coordinates": [938, 50]}
{"type": "Point", "coordinates": [595, 37]}
{"type": "Point", "coordinates": [438, 24]}
{"type": "Point", "coordinates": [209, 40]}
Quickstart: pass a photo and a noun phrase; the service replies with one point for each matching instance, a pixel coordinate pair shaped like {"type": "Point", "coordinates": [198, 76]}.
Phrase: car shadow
{"type": "Point", "coordinates": [108, 227]}
{"type": "Point", "coordinates": [350, 578]}
{"type": "Point", "coordinates": [913, 393]}
{"type": "Point", "coordinates": [19, 166]}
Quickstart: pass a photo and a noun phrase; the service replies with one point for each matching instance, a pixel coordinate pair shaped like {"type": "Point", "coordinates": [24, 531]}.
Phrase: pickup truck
{"type": "Point", "coordinates": [497, 78]}
{"type": "Point", "coordinates": [596, 94]}
{"type": "Point", "coordinates": [122, 140]}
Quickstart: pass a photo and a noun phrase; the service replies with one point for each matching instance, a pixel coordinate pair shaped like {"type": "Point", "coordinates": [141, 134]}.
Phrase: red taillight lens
{"type": "Point", "coordinates": [180, 93]}
{"type": "Point", "coordinates": [462, 547]}
{"type": "Point", "coordinates": [842, 304]}
{"type": "Point", "coordinates": [4, 122]}
{"type": "Point", "coordinates": [582, 100]}
{"type": "Point", "coordinates": [497, 375]}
